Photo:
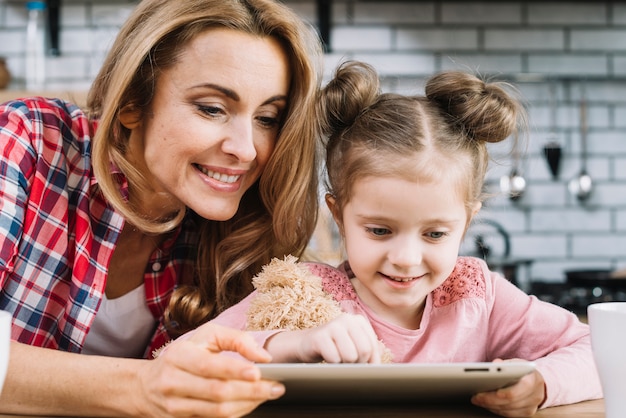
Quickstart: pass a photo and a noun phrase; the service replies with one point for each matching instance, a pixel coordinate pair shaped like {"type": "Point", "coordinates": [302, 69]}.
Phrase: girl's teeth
{"type": "Point", "coordinates": [399, 279]}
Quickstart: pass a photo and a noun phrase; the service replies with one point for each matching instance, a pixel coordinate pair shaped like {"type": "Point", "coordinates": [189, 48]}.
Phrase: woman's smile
{"type": "Point", "coordinates": [221, 180]}
{"type": "Point", "coordinates": [221, 177]}
{"type": "Point", "coordinates": [222, 132]}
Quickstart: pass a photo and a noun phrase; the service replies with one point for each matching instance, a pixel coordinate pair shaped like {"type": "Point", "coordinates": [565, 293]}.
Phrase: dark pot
{"type": "Point", "coordinates": [593, 278]}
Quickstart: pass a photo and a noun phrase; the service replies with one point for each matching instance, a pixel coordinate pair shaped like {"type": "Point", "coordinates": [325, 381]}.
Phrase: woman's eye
{"type": "Point", "coordinates": [210, 110]}
{"type": "Point", "coordinates": [379, 232]}
{"type": "Point", "coordinates": [269, 122]}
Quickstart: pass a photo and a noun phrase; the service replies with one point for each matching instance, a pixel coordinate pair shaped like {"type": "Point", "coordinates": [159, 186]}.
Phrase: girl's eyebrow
{"type": "Point", "coordinates": [231, 94]}
{"type": "Point", "coordinates": [444, 221]}
{"type": "Point", "coordinates": [383, 218]}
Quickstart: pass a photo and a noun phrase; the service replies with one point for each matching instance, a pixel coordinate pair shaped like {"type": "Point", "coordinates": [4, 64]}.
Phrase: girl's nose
{"type": "Point", "coordinates": [239, 141]}
{"type": "Point", "coordinates": [406, 253]}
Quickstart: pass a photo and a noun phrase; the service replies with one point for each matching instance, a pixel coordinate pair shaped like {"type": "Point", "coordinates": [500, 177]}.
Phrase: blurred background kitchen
{"type": "Point", "coordinates": [556, 221]}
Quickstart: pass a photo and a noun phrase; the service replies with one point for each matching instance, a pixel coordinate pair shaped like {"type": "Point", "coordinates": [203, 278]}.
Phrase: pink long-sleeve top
{"type": "Point", "coordinates": [475, 315]}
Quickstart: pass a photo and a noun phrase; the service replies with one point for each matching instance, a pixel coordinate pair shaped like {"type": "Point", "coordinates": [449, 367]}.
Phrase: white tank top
{"type": "Point", "coordinates": [122, 328]}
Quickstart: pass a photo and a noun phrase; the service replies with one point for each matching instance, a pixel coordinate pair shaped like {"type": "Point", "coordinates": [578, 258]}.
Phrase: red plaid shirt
{"type": "Point", "coordinates": [57, 233]}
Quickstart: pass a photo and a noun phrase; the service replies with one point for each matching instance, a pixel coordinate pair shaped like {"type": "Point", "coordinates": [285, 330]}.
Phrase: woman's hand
{"type": "Point", "coordinates": [522, 399]}
{"type": "Point", "coordinates": [191, 378]}
{"type": "Point", "coordinates": [346, 339]}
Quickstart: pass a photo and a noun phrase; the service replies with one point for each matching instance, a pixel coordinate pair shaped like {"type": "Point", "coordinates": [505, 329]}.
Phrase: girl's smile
{"type": "Point", "coordinates": [402, 239]}
{"type": "Point", "coordinates": [400, 279]}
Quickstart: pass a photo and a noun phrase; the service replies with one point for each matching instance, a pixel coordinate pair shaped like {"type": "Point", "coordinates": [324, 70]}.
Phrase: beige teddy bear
{"type": "Point", "coordinates": [290, 297]}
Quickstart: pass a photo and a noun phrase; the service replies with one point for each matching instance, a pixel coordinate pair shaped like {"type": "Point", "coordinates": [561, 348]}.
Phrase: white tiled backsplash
{"type": "Point", "coordinates": [568, 44]}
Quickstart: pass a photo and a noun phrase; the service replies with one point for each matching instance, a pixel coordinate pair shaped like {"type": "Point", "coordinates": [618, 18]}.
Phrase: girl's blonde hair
{"type": "Point", "coordinates": [278, 214]}
{"type": "Point", "coordinates": [371, 134]}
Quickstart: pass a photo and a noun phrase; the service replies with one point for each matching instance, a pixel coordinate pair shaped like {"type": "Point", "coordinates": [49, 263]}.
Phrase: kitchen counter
{"type": "Point", "coordinates": [78, 97]}
{"type": "Point", "coordinates": [589, 409]}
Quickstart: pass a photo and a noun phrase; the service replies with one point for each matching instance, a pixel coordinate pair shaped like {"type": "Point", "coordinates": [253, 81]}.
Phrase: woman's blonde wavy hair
{"type": "Point", "coordinates": [278, 214]}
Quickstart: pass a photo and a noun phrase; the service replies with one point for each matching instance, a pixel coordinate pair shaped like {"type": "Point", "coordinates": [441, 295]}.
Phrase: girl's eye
{"type": "Point", "coordinates": [379, 232]}
{"type": "Point", "coordinates": [437, 234]}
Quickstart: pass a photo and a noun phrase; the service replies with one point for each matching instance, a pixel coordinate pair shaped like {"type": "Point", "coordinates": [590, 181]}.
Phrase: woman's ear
{"type": "Point", "coordinates": [130, 116]}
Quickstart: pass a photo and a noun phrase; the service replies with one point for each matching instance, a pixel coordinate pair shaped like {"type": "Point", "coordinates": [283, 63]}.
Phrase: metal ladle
{"type": "Point", "coordinates": [582, 186]}
{"type": "Point", "coordinates": [552, 149]}
{"type": "Point", "coordinates": [514, 184]}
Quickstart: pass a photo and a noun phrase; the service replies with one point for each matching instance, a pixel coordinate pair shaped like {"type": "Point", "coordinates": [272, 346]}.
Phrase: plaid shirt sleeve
{"type": "Point", "coordinates": [53, 260]}
{"type": "Point", "coordinates": [57, 234]}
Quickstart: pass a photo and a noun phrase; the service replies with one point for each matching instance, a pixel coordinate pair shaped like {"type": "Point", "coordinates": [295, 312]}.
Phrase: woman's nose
{"type": "Point", "coordinates": [239, 141]}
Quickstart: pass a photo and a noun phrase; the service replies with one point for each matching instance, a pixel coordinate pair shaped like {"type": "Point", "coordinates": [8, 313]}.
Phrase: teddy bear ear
{"type": "Point", "coordinates": [282, 273]}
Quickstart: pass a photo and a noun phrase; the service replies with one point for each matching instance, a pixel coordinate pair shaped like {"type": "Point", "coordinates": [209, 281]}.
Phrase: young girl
{"type": "Point", "coordinates": [405, 178]}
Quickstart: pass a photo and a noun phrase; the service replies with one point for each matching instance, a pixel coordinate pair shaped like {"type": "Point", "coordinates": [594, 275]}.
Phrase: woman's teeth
{"type": "Point", "coordinates": [224, 178]}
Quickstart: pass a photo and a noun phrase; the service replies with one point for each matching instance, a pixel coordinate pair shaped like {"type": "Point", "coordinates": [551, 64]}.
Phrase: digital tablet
{"type": "Point", "coordinates": [406, 382]}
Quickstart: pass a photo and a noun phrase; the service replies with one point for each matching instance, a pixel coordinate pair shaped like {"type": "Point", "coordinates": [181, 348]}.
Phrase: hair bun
{"type": "Point", "coordinates": [485, 111]}
{"type": "Point", "coordinates": [354, 87]}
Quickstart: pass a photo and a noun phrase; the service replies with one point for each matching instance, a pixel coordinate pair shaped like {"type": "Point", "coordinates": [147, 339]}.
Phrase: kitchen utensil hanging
{"type": "Point", "coordinates": [514, 184]}
{"type": "Point", "coordinates": [552, 149]}
{"type": "Point", "coordinates": [582, 186]}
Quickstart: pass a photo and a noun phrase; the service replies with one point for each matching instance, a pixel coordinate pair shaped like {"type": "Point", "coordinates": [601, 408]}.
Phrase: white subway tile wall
{"type": "Point", "coordinates": [570, 47]}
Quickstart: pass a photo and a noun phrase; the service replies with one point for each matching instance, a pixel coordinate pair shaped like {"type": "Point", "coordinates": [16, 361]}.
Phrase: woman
{"type": "Point", "coordinates": [148, 214]}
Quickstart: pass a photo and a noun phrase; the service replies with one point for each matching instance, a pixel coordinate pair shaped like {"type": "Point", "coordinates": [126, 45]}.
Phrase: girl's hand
{"type": "Point", "coordinates": [346, 339]}
{"type": "Point", "coordinates": [191, 378]}
{"type": "Point", "coordinates": [522, 399]}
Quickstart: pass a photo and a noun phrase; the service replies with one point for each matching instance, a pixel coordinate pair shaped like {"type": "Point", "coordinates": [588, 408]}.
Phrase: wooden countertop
{"type": "Point", "coordinates": [589, 409]}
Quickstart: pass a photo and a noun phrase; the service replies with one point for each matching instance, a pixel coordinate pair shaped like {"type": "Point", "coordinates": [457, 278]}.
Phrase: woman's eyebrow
{"type": "Point", "coordinates": [234, 96]}
{"type": "Point", "coordinates": [277, 98]}
{"type": "Point", "coordinates": [225, 91]}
